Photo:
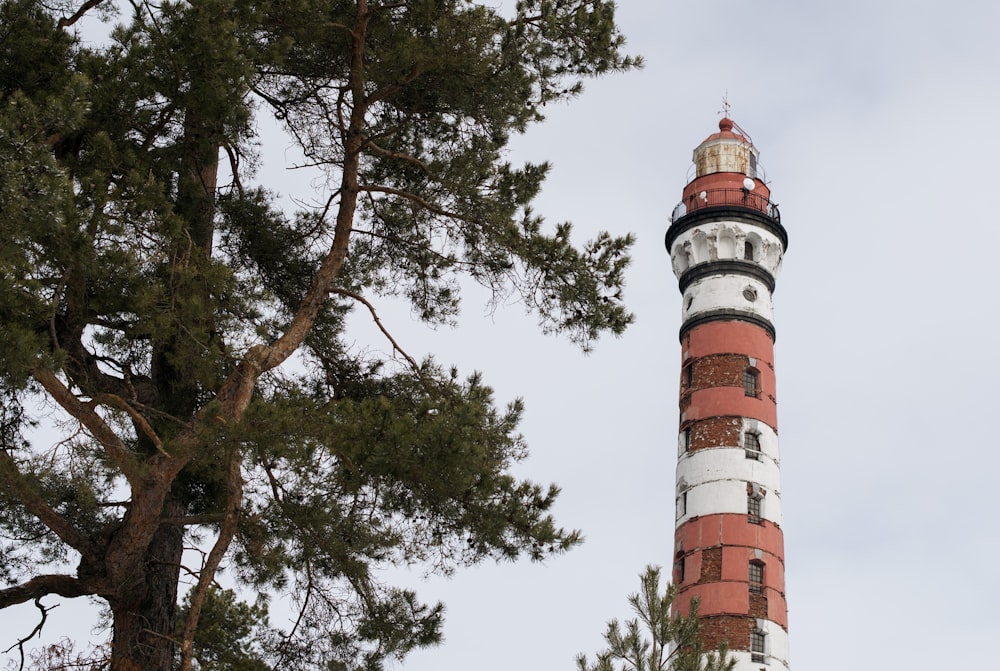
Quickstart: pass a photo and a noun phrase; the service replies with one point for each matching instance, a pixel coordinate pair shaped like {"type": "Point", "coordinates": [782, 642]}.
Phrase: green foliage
{"type": "Point", "coordinates": [231, 635]}
{"type": "Point", "coordinates": [673, 643]}
{"type": "Point", "coordinates": [152, 296]}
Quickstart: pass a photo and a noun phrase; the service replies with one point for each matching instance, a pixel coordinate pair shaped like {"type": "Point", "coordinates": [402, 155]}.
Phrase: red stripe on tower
{"type": "Point", "coordinates": [726, 243]}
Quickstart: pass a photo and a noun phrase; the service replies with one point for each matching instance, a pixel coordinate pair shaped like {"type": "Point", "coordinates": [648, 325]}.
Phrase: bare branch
{"type": "Point", "coordinates": [234, 167]}
{"type": "Point", "coordinates": [301, 615]}
{"type": "Point", "coordinates": [68, 21]}
{"type": "Point", "coordinates": [140, 421]}
{"type": "Point", "coordinates": [378, 322]}
{"type": "Point", "coordinates": [37, 630]}
{"type": "Point", "coordinates": [412, 197]}
{"type": "Point", "coordinates": [412, 160]}
{"type": "Point", "coordinates": [99, 429]}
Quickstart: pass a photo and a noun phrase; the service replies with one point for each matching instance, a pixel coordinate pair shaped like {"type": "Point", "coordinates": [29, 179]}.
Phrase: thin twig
{"type": "Point", "coordinates": [118, 402]}
{"type": "Point", "coordinates": [234, 504]}
{"type": "Point", "coordinates": [426, 204]}
{"type": "Point", "coordinates": [378, 322]}
{"type": "Point", "coordinates": [37, 630]}
{"type": "Point", "coordinates": [113, 445]}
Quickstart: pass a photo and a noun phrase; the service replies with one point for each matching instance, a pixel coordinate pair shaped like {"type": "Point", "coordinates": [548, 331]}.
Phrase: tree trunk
{"type": "Point", "coordinates": [146, 613]}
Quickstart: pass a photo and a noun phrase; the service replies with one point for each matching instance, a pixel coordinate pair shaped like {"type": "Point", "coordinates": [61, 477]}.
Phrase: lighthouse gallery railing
{"type": "Point", "coordinates": [726, 198]}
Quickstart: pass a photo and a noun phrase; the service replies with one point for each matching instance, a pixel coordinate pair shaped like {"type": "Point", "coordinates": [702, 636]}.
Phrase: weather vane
{"type": "Point", "coordinates": [725, 104]}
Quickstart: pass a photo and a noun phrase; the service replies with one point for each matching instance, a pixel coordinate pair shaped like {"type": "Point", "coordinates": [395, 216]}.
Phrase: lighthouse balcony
{"type": "Point", "coordinates": [736, 199]}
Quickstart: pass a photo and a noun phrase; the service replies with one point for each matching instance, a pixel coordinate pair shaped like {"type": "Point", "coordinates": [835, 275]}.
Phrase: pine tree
{"type": "Point", "coordinates": [673, 643]}
{"type": "Point", "coordinates": [157, 302]}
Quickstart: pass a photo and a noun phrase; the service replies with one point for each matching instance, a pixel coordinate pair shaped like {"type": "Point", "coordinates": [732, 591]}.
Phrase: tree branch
{"type": "Point", "coordinates": [26, 493]}
{"type": "Point", "coordinates": [234, 167]}
{"type": "Point", "coordinates": [412, 197]}
{"type": "Point", "coordinates": [412, 160]}
{"type": "Point", "coordinates": [141, 422]}
{"type": "Point", "coordinates": [66, 22]}
{"type": "Point", "coordinates": [378, 322]}
{"type": "Point", "coordinates": [39, 586]}
{"type": "Point", "coordinates": [261, 359]}
{"type": "Point", "coordinates": [99, 429]}
{"type": "Point", "coordinates": [392, 89]}
{"type": "Point", "coordinates": [38, 628]}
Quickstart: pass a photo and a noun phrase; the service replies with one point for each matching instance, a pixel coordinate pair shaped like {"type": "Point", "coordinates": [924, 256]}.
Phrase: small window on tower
{"type": "Point", "coordinates": [689, 376]}
{"type": "Point", "coordinates": [753, 507]}
{"type": "Point", "coordinates": [751, 445]}
{"type": "Point", "coordinates": [757, 642]}
{"type": "Point", "coordinates": [748, 251]}
{"type": "Point", "coordinates": [751, 382]}
{"type": "Point", "coordinates": [680, 569]}
{"type": "Point", "coordinates": [687, 439]}
{"type": "Point", "coordinates": [756, 576]}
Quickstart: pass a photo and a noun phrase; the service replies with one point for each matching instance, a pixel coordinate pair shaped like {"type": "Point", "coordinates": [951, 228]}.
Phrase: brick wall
{"type": "Point", "coordinates": [711, 565]}
{"type": "Point", "coordinates": [734, 629]}
{"type": "Point", "coordinates": [715, 432]}
{"type": "Point", "coordinates": [716, 370]}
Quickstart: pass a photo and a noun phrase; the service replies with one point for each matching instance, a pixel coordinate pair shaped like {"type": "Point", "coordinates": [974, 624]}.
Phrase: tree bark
{"type": "Point", "coordinates": [145, 611]}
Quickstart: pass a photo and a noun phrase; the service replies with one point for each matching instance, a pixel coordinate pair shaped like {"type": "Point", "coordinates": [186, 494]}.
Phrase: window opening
{"type": "Point", "coordinates": [756, 577]}
{"type": "Point", "coordinates": [757, 647]}
{"type": "Point", "coordinates": [748, 251]}
{"type": "Point", "coordinates": [753, 508]}
{"type": "Point", "coordinates": [751, 382]}
{"type": "Point", "coordinates": [751, 445]}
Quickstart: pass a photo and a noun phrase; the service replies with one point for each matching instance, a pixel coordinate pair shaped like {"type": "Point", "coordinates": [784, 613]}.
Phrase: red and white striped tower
{"type": "Point", "coordinates": [726, 242]}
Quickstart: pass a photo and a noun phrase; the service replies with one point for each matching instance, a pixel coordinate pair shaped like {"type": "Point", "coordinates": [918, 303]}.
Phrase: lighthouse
{"type": "Point", "coordinates": [726, 242]}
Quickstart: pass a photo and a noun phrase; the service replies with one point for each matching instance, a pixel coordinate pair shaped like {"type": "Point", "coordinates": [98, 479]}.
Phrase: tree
{"type": "Point", "coordinates": [673, 644]}
{"type": "Point", "coordinates": [192, 332]}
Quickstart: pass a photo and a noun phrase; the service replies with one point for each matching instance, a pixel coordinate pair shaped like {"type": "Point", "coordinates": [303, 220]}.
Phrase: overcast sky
{"type": "Point", "coordinates": [874, 123]}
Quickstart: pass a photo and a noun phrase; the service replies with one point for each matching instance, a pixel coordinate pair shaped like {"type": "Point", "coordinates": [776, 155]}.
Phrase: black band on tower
{"type": "Point", "coordinates": [726, 213]}
{"type": "Point", "coordinates": [726, 267]}
{"type": "Point", "coordinates": [726, 314]}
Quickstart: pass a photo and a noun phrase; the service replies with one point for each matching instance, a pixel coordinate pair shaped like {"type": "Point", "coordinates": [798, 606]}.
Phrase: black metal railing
{"type": "Point", "coordinates": [726, 198]}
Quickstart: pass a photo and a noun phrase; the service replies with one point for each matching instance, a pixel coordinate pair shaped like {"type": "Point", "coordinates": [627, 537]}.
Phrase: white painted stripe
{"type": "Point", "coordinates": [713, 481]}
{"type": "Point", "coordinates": [727, 292]}
{"type": "Point", "coordinates": [719, 463]}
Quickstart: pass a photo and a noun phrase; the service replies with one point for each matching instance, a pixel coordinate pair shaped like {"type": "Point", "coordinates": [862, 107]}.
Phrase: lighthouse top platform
{"type": "Point", "coordinates": [728, 181]}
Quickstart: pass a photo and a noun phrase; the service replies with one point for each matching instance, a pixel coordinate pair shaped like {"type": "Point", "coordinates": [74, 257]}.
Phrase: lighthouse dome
{"type": "Point", "coordinates": [729, 150]}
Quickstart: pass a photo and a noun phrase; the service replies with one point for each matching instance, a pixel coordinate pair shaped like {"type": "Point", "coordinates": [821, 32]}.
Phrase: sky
{"type": "Point", "coordinates": [873, 121]}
